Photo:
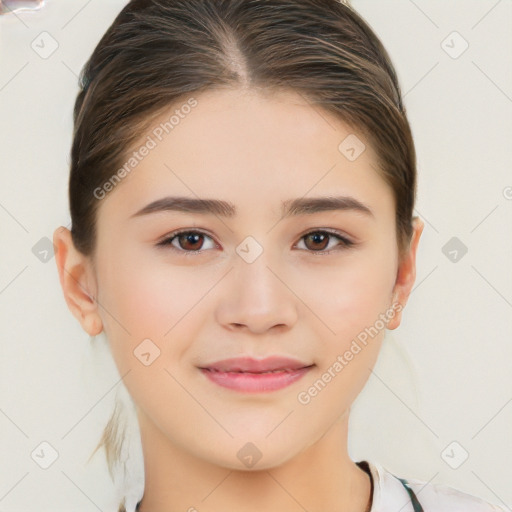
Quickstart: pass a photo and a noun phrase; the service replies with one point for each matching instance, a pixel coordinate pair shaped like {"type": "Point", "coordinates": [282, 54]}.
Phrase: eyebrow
{"type": "Point", "coordinates": [291, 207]}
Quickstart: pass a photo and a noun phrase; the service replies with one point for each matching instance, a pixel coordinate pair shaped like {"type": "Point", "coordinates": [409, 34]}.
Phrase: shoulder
{"type": "Point", "coordinates": [391, 490]}
{"type": "Point", "coordinates": [441, 498]}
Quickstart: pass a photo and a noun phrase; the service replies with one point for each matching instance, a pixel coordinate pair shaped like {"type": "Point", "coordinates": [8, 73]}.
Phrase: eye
{"type": "Point", "coordinates": [319, 238]}
{"type": "Point", "coordinates": [190, 242]}
{"type": "Point", "coordinates": [186, 241]}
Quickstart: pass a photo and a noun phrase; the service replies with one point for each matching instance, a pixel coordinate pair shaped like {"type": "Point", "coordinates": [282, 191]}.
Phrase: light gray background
{"type": "Point", "coordinates": [442, 377]}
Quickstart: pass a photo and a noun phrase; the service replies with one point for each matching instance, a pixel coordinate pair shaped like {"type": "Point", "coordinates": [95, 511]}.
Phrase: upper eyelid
{"type": "Point", "coordinates": [179, 232]}
{"type": "Point", "coordinates": [344, 239]}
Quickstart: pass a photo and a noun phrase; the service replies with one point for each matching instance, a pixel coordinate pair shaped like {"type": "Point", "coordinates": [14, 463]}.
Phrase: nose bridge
{"type": "Point", "coordinates": [253, 271]}
{"type": "Point", "coordinates": [257, 297]}
{"type": "Point", "coordinates": [253, 275]}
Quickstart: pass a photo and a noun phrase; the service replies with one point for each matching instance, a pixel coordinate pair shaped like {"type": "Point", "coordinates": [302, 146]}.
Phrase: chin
{"type": "Point", "coordinates": [253, 455]}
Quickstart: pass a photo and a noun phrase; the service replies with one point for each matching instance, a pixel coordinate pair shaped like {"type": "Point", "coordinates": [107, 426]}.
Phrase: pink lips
{"type": "Point", "coordinates": [256, 375]}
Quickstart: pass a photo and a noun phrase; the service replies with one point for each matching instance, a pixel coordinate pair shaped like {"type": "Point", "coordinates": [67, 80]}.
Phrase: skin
{"type": "Point", "coordinates": [254, 151]}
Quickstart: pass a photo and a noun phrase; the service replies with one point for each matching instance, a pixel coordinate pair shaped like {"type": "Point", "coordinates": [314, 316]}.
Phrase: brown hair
{"type": "Point", "coordinates": [159, 52]}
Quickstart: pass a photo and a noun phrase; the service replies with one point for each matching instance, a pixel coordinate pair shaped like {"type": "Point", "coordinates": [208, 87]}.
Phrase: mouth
{"type": "Point", "coordinates": [281, 370]}
{"type": "Point", "coordinates": [247, 375]}
{"type": "Point", "coordinates": [272, 364]}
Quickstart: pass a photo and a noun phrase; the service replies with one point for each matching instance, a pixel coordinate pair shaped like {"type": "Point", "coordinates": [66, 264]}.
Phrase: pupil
{"type": "Point", "coordinates": [192, 238]}
{"type": "Point", "coordinates": [317, 238]}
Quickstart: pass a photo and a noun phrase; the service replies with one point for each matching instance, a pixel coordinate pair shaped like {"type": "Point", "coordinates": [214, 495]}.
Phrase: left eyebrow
{"type": "Point", "coordinates": [292, 207]}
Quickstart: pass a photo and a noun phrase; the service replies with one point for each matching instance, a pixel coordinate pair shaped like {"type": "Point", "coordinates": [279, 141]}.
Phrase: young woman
{"type": "Point", "coordinates": [242, 188]}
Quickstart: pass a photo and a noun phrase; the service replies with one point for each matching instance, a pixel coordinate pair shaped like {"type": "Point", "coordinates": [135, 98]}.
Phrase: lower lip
{"type": "Point", "coordinates": [255, 382]}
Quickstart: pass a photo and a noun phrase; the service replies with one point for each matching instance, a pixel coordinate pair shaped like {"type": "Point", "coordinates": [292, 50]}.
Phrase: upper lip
{"type": "Point", "coordinates": [248, 364]}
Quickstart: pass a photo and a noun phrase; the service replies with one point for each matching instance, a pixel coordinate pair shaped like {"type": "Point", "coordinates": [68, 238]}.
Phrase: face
{"type": "Point", "coordinates": [318, 285]}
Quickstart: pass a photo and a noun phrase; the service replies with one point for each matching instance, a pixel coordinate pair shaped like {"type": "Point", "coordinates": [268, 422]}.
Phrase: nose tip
{"type": "Point", "coordinates": [258, 328]}
{"type": "Point", "coordinates": [256, 299]}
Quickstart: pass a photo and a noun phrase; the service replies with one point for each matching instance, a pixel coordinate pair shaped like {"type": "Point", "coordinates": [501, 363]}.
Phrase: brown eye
{"type": "Point", "coordinates": [317, 241]}
{"type": "Point", "coordinates": [185, 241]}
{"type": "Point", "coordinates": [190, 241]}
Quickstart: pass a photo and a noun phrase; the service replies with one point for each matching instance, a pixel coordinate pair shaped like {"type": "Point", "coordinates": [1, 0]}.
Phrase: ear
{"type": "Point", "coordinates": [78, 281]}
{"type": "Point", "coordinates": [406, 275]}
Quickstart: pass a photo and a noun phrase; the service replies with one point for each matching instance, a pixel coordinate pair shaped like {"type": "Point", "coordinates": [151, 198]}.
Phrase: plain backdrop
{"type": "Point", "coordinates": [442, 388]}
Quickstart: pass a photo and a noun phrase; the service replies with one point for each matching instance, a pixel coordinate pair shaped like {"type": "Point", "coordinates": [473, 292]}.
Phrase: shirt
{"type": "Point", "coordinates": [390, 493]}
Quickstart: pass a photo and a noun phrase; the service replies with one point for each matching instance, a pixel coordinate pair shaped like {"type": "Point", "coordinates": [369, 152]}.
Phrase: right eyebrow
{"type": "Point", "coordinates": [291, 207]}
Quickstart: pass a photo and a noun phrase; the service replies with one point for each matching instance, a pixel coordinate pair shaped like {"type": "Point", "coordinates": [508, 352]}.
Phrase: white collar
{"type": "Point", "coordinates": [389, 494]}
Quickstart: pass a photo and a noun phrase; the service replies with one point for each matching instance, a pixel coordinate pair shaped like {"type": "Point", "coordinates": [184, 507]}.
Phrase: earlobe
{"type": "Point", "coordinates": [77, 281]}
{"type": "Point", "coordinates": [406, 276]}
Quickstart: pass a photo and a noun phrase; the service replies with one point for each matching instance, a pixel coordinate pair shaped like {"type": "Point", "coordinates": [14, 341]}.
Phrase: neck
{"type": "Point", "coordinates": [321, 477]}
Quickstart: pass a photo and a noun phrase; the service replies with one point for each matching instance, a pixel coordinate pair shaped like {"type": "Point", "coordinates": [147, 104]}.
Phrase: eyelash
{"type": "Point", "coordinates": [167, 242]}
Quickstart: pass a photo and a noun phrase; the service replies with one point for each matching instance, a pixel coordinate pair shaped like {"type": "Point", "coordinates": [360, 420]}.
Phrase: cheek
{"type": "Point", "coordinates": [350, 304]}
{"type": "Point", "coordinates": [155, 300]}
{"type": "Point", "coordinates": [147, 296]}
{"type": "Point", "coordinates": [350, 296]}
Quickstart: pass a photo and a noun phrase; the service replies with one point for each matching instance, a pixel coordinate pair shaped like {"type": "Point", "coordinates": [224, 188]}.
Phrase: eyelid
{"type": "Point", "coordinates": [173, 234]}
{"type": "Point", "coordinates": [344, 241]}
{"type": "Point", "coordinates": [165, 242]}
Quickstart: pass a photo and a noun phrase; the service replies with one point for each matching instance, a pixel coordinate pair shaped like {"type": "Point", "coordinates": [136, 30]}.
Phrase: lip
{"type": "Point", "coordinates": [246, 375]}
{"type": "Point", "coordinates": [249, 364]}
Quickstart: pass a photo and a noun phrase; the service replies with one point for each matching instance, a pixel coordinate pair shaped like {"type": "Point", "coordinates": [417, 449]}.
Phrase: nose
{"type": "Point", "coordinates": [257, 297]}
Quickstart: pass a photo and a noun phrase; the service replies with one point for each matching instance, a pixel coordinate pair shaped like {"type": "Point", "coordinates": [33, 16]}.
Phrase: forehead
{"type": "Point", "coordinates": [252, 149]}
